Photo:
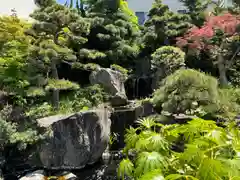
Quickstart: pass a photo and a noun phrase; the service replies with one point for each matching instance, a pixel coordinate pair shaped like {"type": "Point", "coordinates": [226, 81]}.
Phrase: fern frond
{"type": "Point", "coordinates": [153, 175]}
{"type": "Point", "coordinates": [142, 144]}
{"type": "Point", "coordinates": [125, 168]}
{"type": "Point", "coordinates": [149, 161]}
{"type": "Point", "coordinates": [157, 143]}
{"type": "Point", "coordinates": [131, 138]}
{"type": "Point", "coordinates": [169, 132]}
{"type": "Point", "coordinates": [195, 128]}
{"type": "Point", "coordinates": [234, 136]}
{"type": "Point", "coordinates": [218, 136]}
{"type": "Point", "coordinates": [146, 123]}
{"type": "Point", "coordinates": [235, 178]}
{"type": "Point", "coordinates": [151, 141]}
{"type": "Point", "coordinates": [211, 169]}
{"type": "Point", "coordinates": [232, 166]}
{"type": "Point", "coordinates": [192, 155]}
{"type": "Point", "coordinates": [179, 176]}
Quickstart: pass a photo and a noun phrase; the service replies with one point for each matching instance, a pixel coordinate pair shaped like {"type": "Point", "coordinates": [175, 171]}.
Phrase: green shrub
{"type": "Point", "coordinates": [15, 133]}
{"type": "Point", "coordinates": [61, 84]}
{"type": "Point", "coordinates": [168, 59]}
{"type": "Point", "coordinates": [192, 92]}
{"type": "Point", "coordinates": [82, 99]}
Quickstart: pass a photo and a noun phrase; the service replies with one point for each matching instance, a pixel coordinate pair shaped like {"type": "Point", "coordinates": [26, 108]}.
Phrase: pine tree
{"type": "Point", "coordinates": [196, 10]}
{"type": "Point", "coordinates": [57, 29]}
{"type": "Point", "coordinates": [113, 34]}
{"type": "Point", "coordinates": [79, 5]}
{"type": "Point", "coordinates": [162, 27]}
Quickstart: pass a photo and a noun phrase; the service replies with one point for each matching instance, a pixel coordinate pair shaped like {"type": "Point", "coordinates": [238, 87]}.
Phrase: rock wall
{"type": "Point", "coordinates": [123, 118]}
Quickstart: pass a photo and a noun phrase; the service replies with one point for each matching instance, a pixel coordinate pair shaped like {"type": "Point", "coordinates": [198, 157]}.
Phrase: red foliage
{"type": "Point", "coordinates": [195, 37]}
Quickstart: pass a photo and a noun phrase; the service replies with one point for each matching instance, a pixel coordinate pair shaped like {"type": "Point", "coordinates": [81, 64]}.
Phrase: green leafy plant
{"type": "Point", "coordinates": [210, 152]}
{"type": "Point", "coordinates": [113, 138]}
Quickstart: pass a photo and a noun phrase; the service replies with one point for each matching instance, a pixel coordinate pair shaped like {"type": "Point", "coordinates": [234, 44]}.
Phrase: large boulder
{"type": "Point", "coordinates": [113, 83]}
{"type": "Point", "coordinates": [77, 139]}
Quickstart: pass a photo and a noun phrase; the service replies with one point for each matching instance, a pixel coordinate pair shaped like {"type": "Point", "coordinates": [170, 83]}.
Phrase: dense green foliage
{"type": "Point", "coordinates": [168, 59]}
{"type": "Point", "coordinates": [56, 30]}
{"type": "Point", "coordinates": [209, 152]}
{"type": "Point", "coordinates": [88, 34]}
{"type": "Point", "coordinates": [14, 47]}
{"type": "Point", "coordinates": [192, 92]}
{"type": "Point", "coordinates": [162, 27]}
{"type": "Point", "coordinates": [112, 37]}
{"type": "Point", "coordinates": [196, 10]}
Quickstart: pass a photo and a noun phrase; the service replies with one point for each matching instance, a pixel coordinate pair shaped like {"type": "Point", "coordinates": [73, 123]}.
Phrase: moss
{"type": "Point", "coordinates": [119, 69]}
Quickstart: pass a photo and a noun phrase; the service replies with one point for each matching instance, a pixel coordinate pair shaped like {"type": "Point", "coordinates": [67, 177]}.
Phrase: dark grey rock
{"type": "Point", "coordinates": [77, 139]}
{"type": "Point", "coordinates": [119, 99]}
{"type": "Point", "coordinates": [124, 117]}
{"type": "Point", "coordinates": [113, 83]}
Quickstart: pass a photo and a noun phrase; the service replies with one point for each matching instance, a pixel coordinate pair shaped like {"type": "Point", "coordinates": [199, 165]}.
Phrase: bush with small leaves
{"type": "Point", "coordinates": [82, 99]}
{"type": "Point", "coordinates": [168, 59]}
{"type": "Point", "coordinates": [12, 133]}
{"type": "Point", "coordinates": [192, 92]}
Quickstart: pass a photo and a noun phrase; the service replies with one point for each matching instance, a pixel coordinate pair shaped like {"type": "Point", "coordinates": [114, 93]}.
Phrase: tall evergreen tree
{"type": "Point", "coordinates": [113, 34]}
{"type": "Point", "coordinates": [56, 30]}
{"type": "Point", "coordinates": [196, 10]}
{"type": "Point", "coordinates": [162, 27]}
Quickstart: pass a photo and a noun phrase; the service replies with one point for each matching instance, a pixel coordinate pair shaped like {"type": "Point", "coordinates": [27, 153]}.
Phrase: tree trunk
{"type": "Point", "coordinates": [55, 95]}
{"type": "Point", "coordinates": [222, 71]}
{"type": "Point", "coordinates": [82, 8]}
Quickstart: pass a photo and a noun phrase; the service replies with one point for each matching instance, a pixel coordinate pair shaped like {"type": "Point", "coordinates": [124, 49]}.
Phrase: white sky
{"type": "Point", "coordinates": [23, 7]}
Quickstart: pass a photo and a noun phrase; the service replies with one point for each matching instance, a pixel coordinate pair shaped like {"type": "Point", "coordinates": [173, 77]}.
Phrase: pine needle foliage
{"type": "Point", "coordinates": [113, 34]}
{"type": "Point", "coordinates": [192, 92]}
{"type": "Point", "coordinates": [197, 10]}
{"type": "Point", "coordinates": [56, 30]}
{"type": "Point", "coordinates": [210, 152]}
{"type": "Point", "coordinates": [17, 134]}
{"type": "Point", "coordinates": [162, 27]}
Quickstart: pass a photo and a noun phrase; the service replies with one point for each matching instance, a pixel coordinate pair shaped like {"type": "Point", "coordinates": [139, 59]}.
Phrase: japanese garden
{"type": "Point", "coordinates": [88, 93]}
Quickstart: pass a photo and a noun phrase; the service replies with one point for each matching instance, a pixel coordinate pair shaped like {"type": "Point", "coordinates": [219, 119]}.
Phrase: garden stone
{"type": "Point", "coordinates": [36, 175]}
{"type": "Point", "coordinates": [119, 100]}
{"type": "Point", "coordinates": [77, 139]}
{"type": "Point", "coordinates": [112, 82]}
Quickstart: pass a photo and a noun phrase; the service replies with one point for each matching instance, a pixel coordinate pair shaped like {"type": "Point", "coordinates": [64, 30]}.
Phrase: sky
{"type": "Point", "coordinates": [23, 7]}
